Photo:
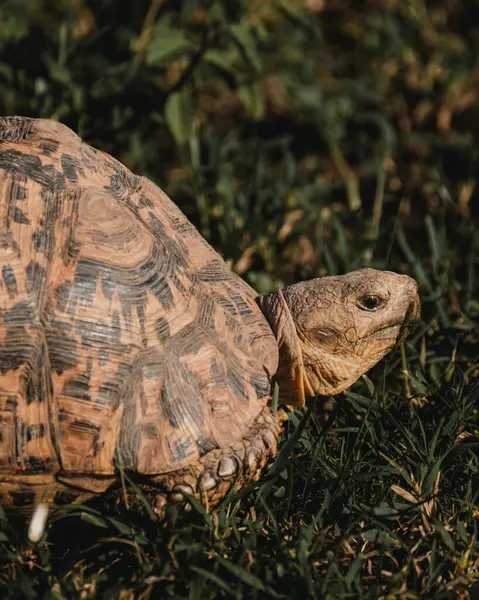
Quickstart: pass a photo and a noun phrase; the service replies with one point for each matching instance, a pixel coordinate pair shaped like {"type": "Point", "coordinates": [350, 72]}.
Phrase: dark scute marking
{"type": "Point", "coordinates": [145, 202]}
{"type": "Point", "coordinates": [140, 311]}
{"type": "Point", "coordinates": [39, 238]}
{"type": "Point", "coordinates": [205, 444]}
{"type": "Point", "coordinates": [173, 246]}
{"type": "Point", "coordinates": [152, 364]}
{"type": "Point", "coordinates": [49, 147]}
{"type": "Point", "coordinates": [262, 385]}
{"type": "Point", "coordinates": [236, 382]}
{"type": "Point", "coordinates": [30, 391]}
{"type": "Point", "coordinates": [35, 432]}
{"type": "Point", "coordinates": [62, 347]}
{"type": "Point", "coordinates": [113, 279]}
{"type": "Point", "coordinates": [9, 279]}
{"type": "Point", "coordinates": [182, 226]}
{"type": "Point", "coordinates": [149, 431]}
{"type": "Point", "coordinates": [18, 193]}
{"type": "Point", "coordinates": [87, 428]}
{"type": "Point", "coordinates": [86, 277]}
{"type": "Point", "coordinates": [179, 450]}
{"type": "Point", "coordinates": [97, 448]}
{"type": "Point", "coordinates": [188, 340]}
{"type": "Point", "coordinates": [243, 308]}
{"type": "Point", "coordinates": [84, 426]}
{"type": "Point", "coordinates": [23, 498]}
{"type": "Point", "coordinates": [64, 498]}
{"type": "Point", "coordinates": [15, 350]}
{"type": "Point", "coordinates": [107, 287]}
{"type": "Point", "coordinates": [166, 406]}
{"type": "Point", "coordinates": [70, 167]}
{"type": "Point", "coordinates": [16, 129]}
{"type": "Point", "coordinates": [11, 403]}
{"type": "Point", "coordinates": [17, 189]}
{"type": "Point", "coordinates": [101, 334]}
{"type": "Point", "coordinates": [123, 183]}
{"type": "Point", "coordinates": [162, 329]}
{"type": "Point", "coordinates": [158, 285]}
{"type": "Point", "coordinates": [62, 295]}
{"type": "Point", "coordinates": [216, 372]}
{"type": "Point", "coordinates": [225, 303]}
{"type": "Point", "coordinates": [20, 312]}
{"type": "Point", "coordinates": [115, 323]}
{"type": "Point", "coordinates": [79, 386]}
{"type": "Point", "coordinates": [155, 275]}
{"type": "Point", "coordinates": [131, 433]}
{"type": "Point", "coordinates": [18, 162]}
{"type": "Point", "coordinates": [103, 356]}
{"type": "Point", "coordinates": [206, 312]}
{"type": "Point", "coordinates": [179, 398]}
{"type": "Point", "coordinates": [216, 270]}
{"type": "Point", "coordinates": [38, 465]}
{"type": "Point", "coordinates": [20, 217]}
{"type": "Point", "coordinates": [110, 392]}
{"type": "Point", "coordinates": [36, 275]}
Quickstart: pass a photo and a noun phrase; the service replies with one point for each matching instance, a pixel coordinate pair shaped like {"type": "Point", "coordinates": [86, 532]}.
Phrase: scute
{"type": "Point", "coordinates": [124, 338]}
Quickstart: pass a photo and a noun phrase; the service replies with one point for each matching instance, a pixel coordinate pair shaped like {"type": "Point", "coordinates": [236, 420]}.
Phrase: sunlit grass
{"type": "Point", "coordinates": [302, 139]}
{"type": "Point", "coordinates": [379, 498]}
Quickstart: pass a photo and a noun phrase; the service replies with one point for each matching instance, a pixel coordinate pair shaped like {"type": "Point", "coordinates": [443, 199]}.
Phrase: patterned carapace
{"type": "Point", "coordinates": [127, 345]}
{"type": "Point", "coordinates": [112, 307]}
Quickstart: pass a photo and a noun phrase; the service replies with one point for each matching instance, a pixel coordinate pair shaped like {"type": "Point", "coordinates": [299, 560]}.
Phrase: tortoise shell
{"type": "Point", "coordinates": [125, 340]}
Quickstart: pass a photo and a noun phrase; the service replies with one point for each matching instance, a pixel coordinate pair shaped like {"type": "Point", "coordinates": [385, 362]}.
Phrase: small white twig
{"type": "Point", "coordinates": [38, 522]}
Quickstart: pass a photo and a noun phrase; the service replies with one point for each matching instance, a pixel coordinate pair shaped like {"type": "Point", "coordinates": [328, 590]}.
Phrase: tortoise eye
{"type": "Point", "coordinates": [369, 302]}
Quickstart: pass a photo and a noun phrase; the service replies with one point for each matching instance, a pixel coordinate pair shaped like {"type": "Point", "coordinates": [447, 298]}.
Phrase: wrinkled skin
{"type": "Point", "coordinates": [330, 331]}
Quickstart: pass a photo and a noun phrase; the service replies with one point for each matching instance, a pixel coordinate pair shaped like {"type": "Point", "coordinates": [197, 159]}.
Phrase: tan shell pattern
{"type": "Point", "coordinates": [125, 341]}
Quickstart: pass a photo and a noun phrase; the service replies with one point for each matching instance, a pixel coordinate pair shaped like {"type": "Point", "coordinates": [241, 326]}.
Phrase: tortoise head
{"type": "Point", "coordinates": [331, 330]}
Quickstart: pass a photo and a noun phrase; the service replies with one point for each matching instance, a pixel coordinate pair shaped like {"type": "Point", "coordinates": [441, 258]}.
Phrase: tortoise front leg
{"type": "Point", "coordinates": [209, 479]}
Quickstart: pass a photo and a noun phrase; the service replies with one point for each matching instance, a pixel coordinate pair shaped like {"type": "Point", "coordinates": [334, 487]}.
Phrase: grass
{"type": "Point", "coordinates": [301, 140]}
{"type": "Point", "coordinates": [378, 497]}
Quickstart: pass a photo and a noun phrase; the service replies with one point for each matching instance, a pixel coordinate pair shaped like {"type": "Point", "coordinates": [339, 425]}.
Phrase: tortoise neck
{"type": "Point", "coordinates": [290, 376]}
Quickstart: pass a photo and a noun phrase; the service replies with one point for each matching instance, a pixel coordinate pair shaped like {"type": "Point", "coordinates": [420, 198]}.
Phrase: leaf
{"type": "Point", "coordinates": [179, 115]}
{"type": "Point", "coordinates": [247, 46]}
{"type": "Point", "coordinates": [353, 570]}
{"type": "Point", "coordinates": [200, 509]}
{"type": "Point", "coordinates": [214, 578]}
{"type": "Point", "coordinates": [429, 483]}
{"type": "Point", "coordinates": [221, 60]}
{"type": "Point", "coordinates": [252, 100]}
{"type": "Point", "coordinates": [166, 43]}
{"type": "Point", "coordinates": [89, 518]}
{"type": "Point", "coordinates": [404, 494]}
{"type": "Point", "coordinates": [121, 527]}
{"type": "Point", "coordinates": [149, 509]}
{"type": "Point", "coordinates": [445, 536]}
{"type": "Point", "coordinates": [246, 577]}
{"type": "Point", "coordinates": [385, 511]}
{"type": "Point", "coordinates": [58, 73]}
{"type": "Point", "coordinates": [378, 536]}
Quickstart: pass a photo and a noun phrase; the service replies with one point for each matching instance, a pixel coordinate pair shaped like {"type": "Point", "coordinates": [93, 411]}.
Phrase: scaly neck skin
{"type": "Point", "coordinates": [331, 330]}
{"type": "Point", "coordinates": [290, 376]}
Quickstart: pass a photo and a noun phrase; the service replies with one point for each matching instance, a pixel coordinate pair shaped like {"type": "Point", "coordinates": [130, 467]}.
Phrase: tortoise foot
{"type": "Point", "coordinates": [219, 470]}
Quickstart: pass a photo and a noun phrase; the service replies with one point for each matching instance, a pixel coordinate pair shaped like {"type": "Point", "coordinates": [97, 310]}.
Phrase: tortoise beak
{"type": "Point", "coordinates": [413, 314]}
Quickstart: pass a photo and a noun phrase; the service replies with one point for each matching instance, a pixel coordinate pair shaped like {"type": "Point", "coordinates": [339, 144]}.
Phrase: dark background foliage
{"type": "Point", "coordinates": [302, 137]}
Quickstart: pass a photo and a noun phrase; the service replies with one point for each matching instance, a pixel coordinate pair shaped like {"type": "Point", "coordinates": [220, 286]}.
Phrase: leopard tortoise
{"type": "Point", "coordinates": [127, 345]}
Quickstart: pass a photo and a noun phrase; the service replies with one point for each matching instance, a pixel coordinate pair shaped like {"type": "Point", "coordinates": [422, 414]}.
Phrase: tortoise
{"type": "Point", "coordinates": [128, 345]}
